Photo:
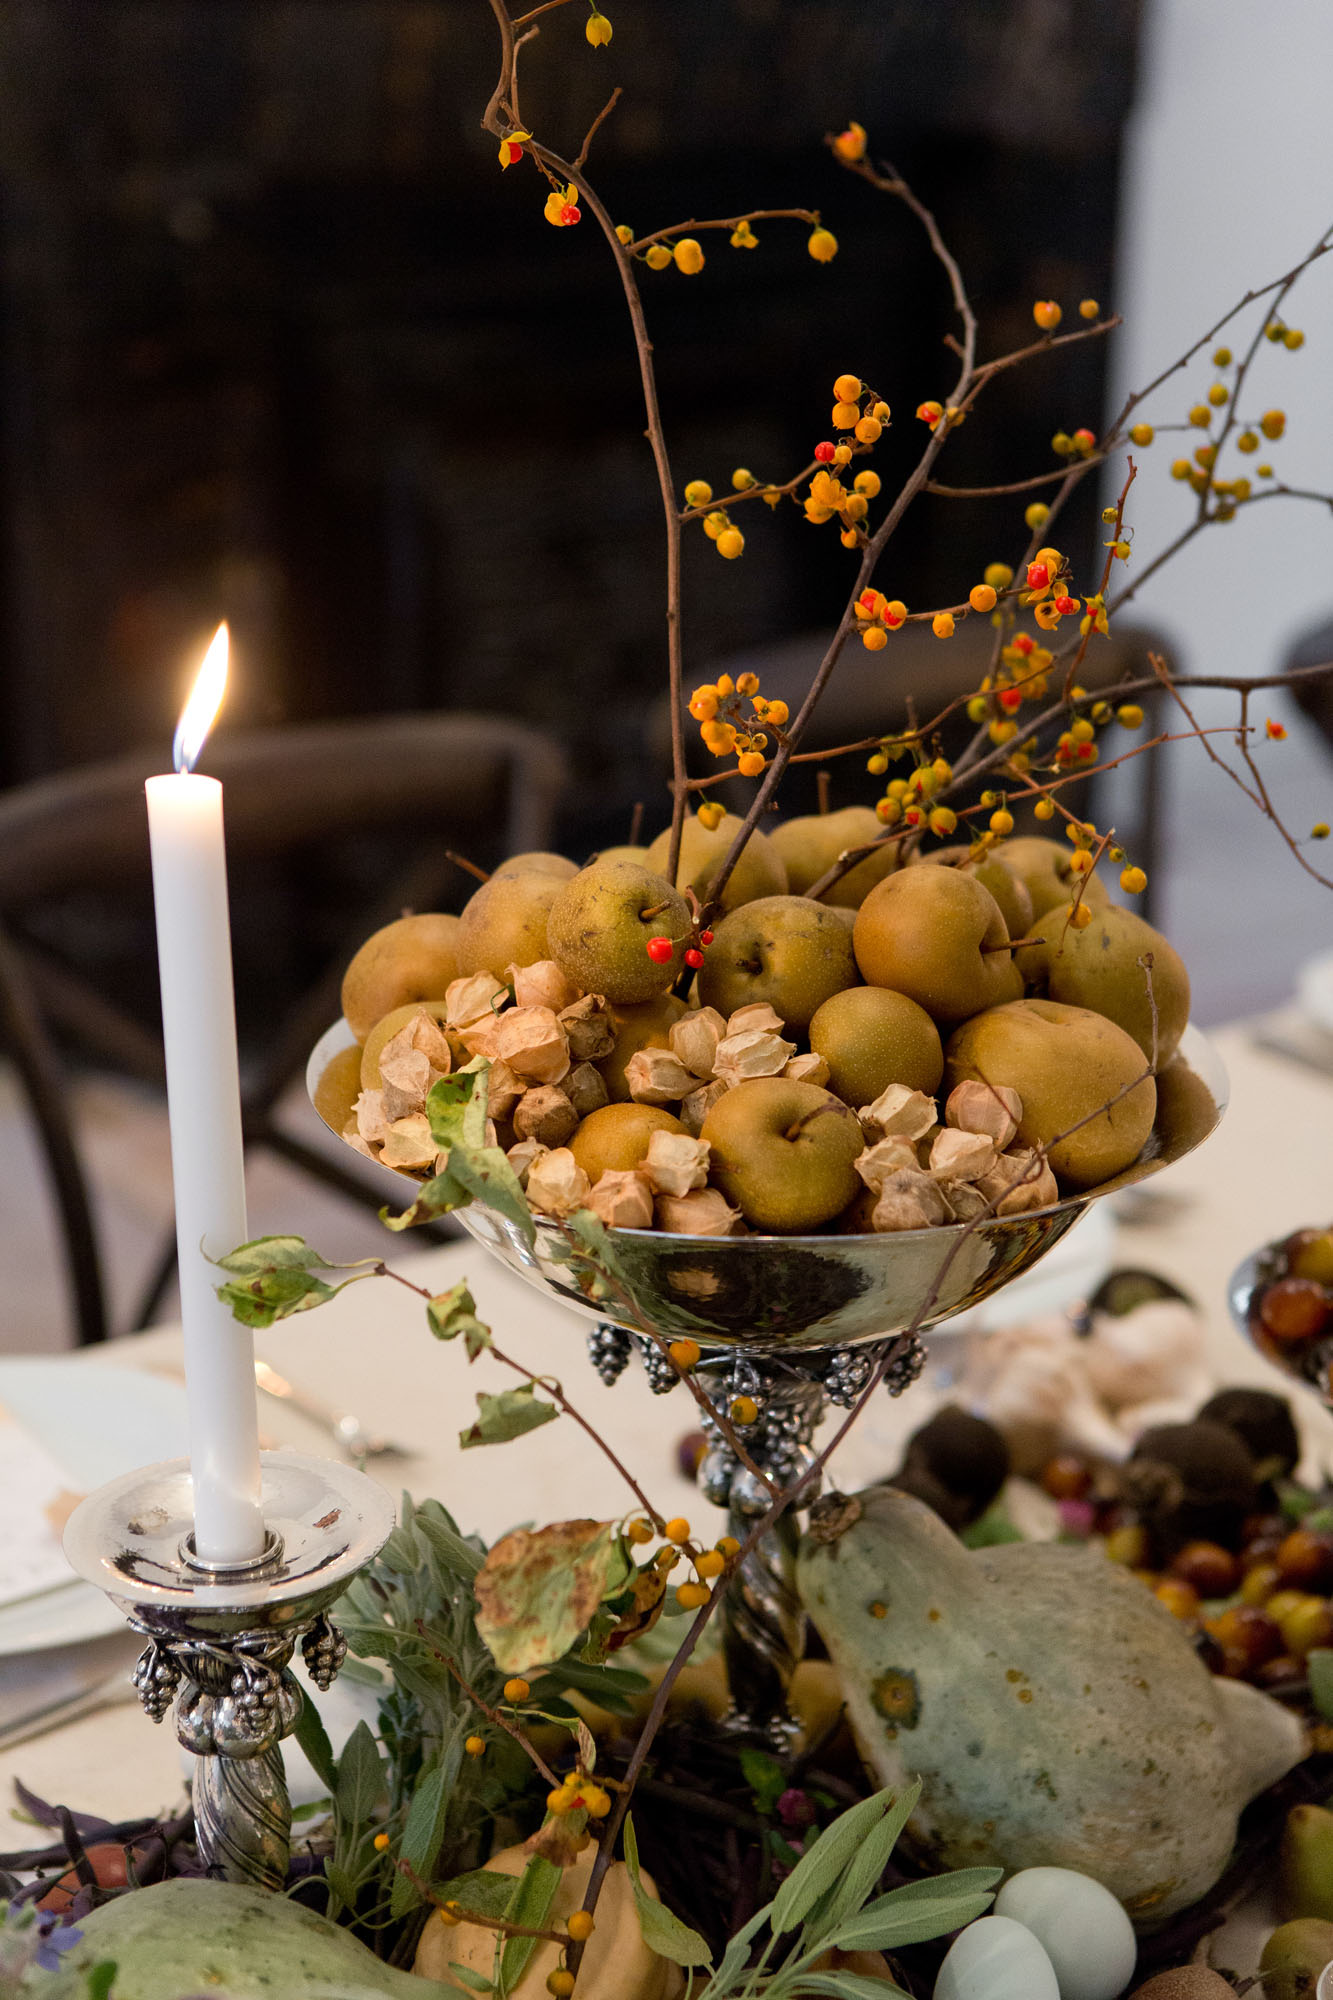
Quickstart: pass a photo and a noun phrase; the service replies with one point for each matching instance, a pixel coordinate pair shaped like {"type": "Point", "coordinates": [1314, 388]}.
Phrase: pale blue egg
{"type": "Point", "coordinates": [1080, 1924]}
{"type": "Point", "coordinates": [996, 1959]}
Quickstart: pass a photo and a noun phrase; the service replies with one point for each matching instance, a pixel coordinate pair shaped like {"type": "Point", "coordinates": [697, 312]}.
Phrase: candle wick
{"type": "Point", "coordinates": [180, 755]}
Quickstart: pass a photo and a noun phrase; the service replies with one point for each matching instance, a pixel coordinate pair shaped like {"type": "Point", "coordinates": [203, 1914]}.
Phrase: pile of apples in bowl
{"type": "Point", "coordinates": [931, 1046]}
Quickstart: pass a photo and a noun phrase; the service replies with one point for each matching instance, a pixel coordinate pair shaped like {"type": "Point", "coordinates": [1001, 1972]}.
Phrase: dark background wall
{"type": "Point", "coordinates": [280, 342]}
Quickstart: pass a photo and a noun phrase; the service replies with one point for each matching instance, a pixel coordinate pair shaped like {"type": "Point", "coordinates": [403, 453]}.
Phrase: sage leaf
{"type": "Point", "coordinates": [508, 1415]}
{"type": "Point", "coordinates": [530, 1906]}
{"type": "Point", "coordinates": [360, 1777]}
{"type": "Point", "coordinates": [663, 1931]}
{"type": "Point", "coordinates": [850, 1986]}
{"type": "Point", "coordinates": [474, 1981]}
{"type": "Point", "coordinates": [868, 1863]}
{"type": "Point", "coordinates": [313, 1739]}
{"type": "Point", "coordinates": [482, 1892]}
{"type": "Point", "coordinates": [421, 1838]}
{"type": "Point", "coordinates": [825, 1863]}
{"type": "Point", "coordinates": [917, 1911]}
{"type": "Point", "coordinates": [457, 1555]}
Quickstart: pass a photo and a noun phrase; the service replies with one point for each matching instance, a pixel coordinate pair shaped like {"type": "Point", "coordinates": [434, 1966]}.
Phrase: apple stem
{"type": "Point", "coordinates": [1012, 944]}
{"type": "Point", "coordinates": [823, 780]}
{"type": "Point", "coordinates": [635, 823]}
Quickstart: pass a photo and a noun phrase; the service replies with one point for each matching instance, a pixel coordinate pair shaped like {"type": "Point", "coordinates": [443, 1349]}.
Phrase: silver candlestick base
{"type": "Point", "coordinates": [220, 1638]}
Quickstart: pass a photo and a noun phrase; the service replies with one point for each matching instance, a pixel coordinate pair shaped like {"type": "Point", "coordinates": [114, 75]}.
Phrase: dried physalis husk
{"type": "Point", "coordinates": [524, 1156]}
{"type": "Point", "coordinates": [752, 1052]}
{"type": "Point", "coordinates": [694, 1039]}
{"type": "Point", "coordinates": [675, 1163]}
{"type": "Point", "coordinates": [989, 1108]}
{"type": "Point", "coordinates": [415, 1058]}
{"type": "Point", "coordinates": [542, 984]}
{"type": "Point", "coordinates": [557, 1184]}
{"type": "Point", "coordinates": [473, 998]}
{"type": "Point", "coordinates": [885, 1157]}
{"type": "Point", "coordinates": [503, 1089]}
{"type": "Point", "coordinates": [655, 1076]}
{"type": "Point", "coordinates": [809, 1068]}
{"type": "Point", "coordinates": [968, 1203]}
{"type": "Point", "coordinates": [898, 1112]}
{"type": "Point", "coordinates": [961, 1156]}
{"type": "Point", "coordinates": [545, 1113]}
{"type": "Point", "coordinates": [591, 1031]}
{"type": "Point", "coordinates": [755, 1018]}
{"type": "Point", "coordinates": [371, 1123]}
{"type": "Point", "coordinates": [533, 1043]}
{"type": "Point", "coordinates": [408, 1143]}
{"type": "Point", "coordinates": [706, 1212]}
{"type": "Point", "coordinates": [585, 1087]}
{"type": "Point", "coordinates": [1020, 1180]}
{"type": "Point", "coordinates": [622, 1200]}
{"type": "Point", "coordinates": [909, 1200]}
{"type": "Point", "coordinates": [696, 1107]}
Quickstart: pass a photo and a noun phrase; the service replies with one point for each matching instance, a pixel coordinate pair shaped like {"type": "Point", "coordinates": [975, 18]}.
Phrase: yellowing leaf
{"type": "Point", "coordinates": [538, 1589]}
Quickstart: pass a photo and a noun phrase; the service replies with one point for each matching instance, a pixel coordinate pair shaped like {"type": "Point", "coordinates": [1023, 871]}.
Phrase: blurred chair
{"type": "Point", "coordinates": [909, 682]}
{"type": "Point", "coordinates": [395, 793]}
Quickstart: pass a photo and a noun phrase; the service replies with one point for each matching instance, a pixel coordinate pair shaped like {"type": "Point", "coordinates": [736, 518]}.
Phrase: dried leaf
{"type": "Point", "coordinates": [539, 1588]}
{"type": "Point", "coordinates": [453, 1313]}
{"type": "Point", "coordinates": [675, 1163]}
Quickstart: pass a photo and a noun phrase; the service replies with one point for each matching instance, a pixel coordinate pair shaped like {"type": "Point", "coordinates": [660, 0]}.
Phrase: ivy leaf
{"type": "Point", "coordinates": [506, 1416]}
{"type": "Point", "coordinates": [663, 1931]}
{"type": "Point", "coordinates": [538, 1589]}
{"type": "Point", "coordinates": [277, 1294]}
{"type": "Point", "coordinates": [272, 1253]}
{"type": "Point", "coordinates": [453, 1313]}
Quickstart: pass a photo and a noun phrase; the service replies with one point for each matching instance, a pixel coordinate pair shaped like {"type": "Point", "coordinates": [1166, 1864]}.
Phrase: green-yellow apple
{"type": "Point", "coordinates": [786, 950]}
{"type": "Point", "coordinates": [782, 1152]}
{"type": "Point", "coordinates": [936, 935]}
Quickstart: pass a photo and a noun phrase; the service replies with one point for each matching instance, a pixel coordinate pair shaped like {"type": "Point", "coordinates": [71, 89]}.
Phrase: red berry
{"type": "Point", "coordinates": [570, 214]}
{"type": "Point", "coordinates": [1084, 438]}
{"type": "Point", "coordinates": [1038, 576]}
{"type": "Point", "coordinates": [694, 958]}
{"type": "Point", "coordinates": [1011, 699]}
{"type": "Point", "coordinates": [1064, 605]}
{"type": "Point", "coordinates": [824, 453]}
{"type": "Point", "coordinates": [1024, 642]}
{"type": "Point", "coordinates": [705, 937]}
{"type": "Point", "coordinates": [660, 950]}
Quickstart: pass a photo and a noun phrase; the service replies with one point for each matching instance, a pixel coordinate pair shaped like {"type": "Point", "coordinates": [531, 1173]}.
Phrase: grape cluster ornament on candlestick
{"type": "Point", "coordinates": [220, 1638]}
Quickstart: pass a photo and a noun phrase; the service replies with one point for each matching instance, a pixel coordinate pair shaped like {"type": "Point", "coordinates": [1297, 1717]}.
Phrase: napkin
{"type": "Point", "coordinates": [35, 1503]}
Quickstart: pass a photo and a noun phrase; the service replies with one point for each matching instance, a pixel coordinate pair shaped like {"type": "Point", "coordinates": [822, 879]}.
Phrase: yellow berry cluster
{"type": "Point", "coordinates": [1199, 472]}
{"type": "Point", "coordinates": [1081, 443]}
{"type": "Point", "coordinates": [877, 616]}
{"type": "Point", "coordinates": [577, 1792]}
{"type": "Point", "coordinates": [708, 1564]}
{"type": "Point", "coordinates": [728, 730]}
{"type": "Point", "coordinates": [907, 801]}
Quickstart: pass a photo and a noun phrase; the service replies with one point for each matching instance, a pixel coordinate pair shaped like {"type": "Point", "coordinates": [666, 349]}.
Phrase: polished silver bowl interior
{"type": "Point", "coordinates": [773, 1293]}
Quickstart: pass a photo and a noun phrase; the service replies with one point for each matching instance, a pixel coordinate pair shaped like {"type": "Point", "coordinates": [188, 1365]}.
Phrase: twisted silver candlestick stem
{"type": "Point", "coordinates": [220, 1639]}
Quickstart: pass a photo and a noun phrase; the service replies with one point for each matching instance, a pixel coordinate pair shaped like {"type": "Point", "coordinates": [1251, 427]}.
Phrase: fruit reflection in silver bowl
{"type": "Point", "coordinates": [1282, 1300]}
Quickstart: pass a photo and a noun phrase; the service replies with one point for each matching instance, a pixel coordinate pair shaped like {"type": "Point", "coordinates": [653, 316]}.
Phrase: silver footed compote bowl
{"type": "Point", "coordinates": [1307, 1359]}
{"type": "Point", "coordinates": [796, 1323]}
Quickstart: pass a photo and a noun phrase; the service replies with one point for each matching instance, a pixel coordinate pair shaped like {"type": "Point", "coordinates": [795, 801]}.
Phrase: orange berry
{"type": "Point", "coordinates": [1047, 315]}
{"type": "Point", "coordinates": [981, 597]}
{"type": "Point", "coordinates": [684, 1354]}
{"type": "Point", "coordinates": [676, 1530]}
{"type": "Point", "coordinates": [874, 638]}
{"type": "Point", "coordinates": [516, 1689]}
{"type": "Point", "coordinates": [580, 1925]}
{"type": "Point", "coordinates": [847, 389]}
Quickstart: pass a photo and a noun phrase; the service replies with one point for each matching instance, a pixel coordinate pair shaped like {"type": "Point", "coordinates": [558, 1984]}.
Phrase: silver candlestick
{"type": "Point", "coordinates": [220, 1638]}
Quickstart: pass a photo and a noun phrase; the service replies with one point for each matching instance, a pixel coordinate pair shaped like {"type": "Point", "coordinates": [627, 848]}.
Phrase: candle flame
{"type": "Point", "coordinates": [205, 700]}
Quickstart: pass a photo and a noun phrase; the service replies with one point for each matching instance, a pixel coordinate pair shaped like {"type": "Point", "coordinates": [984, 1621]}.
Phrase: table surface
{"type": "Point", "coordinates": [1268, 1169]}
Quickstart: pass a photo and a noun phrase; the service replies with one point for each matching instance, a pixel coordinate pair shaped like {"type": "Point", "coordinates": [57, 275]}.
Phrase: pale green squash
{"type": "Point", "coordinates": [1055, 1712]}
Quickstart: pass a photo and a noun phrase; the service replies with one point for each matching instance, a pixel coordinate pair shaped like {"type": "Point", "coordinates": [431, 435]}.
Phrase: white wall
{"type": "Point", "coordinates": [1229, 181]}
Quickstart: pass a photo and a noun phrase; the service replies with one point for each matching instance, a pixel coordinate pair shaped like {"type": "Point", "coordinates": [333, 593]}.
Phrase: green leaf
{"type": "Point", "coordinates": [917, 1911]}
{"type": "Point", "coordinates": [474, 1171]}
{"type": "Point", "coordinates": [457, 1106]}
{"type": "Point", "coordinates": [1319, 1666]}
{"type": "Point", "coordinates": [458, 1557]}
{"type": "Point", "coordinates": [99, 1980]}
{"type": "Point", "coordinates": [483, 1892]}
{"type": "Point", "coordinates": [273, 1253]}
{"type": "Point", "coordinates": [360, 1675]}
{"type": "Point", "coordinates": [539, 1588]}
{"type": "Point", "coordinates": [737, 1953]}
{"type": "Point", "coordinates": [400, 1553]}
{"type": "Point", "coordinates": [508, 1415]}
{"type": "Point", "coordinates": [421, 1839]}
{"type": "Point", "coordinates": [992, 1531]}
{"type": "Point", "coordinates": [313, 1739]}
{"type": "Point", "coordinates": [455, 1311]}
{"type": "Point", "coordinates": [531, 1905]}
{"type": "Point", "coordinates": [832, 1856]}
{"type": "Point", "coordinates": [850, 1986]}
{"type": "Point", "coordinates": [474, 1981]}
{"type": "Point", "coordinates": [765, 1777]}
{"type": "Point", "coordinates": [663, 1931]}
{"type": "Point", "coordinates": [868, 1863]}
{"type": "Point", "coordinates": [360, 1777]}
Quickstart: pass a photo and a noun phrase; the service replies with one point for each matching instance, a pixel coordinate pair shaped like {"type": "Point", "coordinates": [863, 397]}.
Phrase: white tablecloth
{"type": "Point", "coordinates": [1267, 1170]}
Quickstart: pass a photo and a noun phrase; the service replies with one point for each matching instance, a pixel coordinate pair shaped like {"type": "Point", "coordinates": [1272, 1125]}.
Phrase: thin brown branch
{"type": "Point", "coordinates": [1015, 486]}
{"type": "Point", "coordinates": [493, 1715]}
{"type": "Point", "coordinates": [642, 243]}
{"type": "Point", "coordinates": [581, 157]}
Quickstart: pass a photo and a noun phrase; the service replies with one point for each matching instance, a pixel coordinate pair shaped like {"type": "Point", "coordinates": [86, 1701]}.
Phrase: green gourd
{"type": "Point", "coordinates": [1056, 1713]}
{"type": "Point", "coordinates": [200, 1937]}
